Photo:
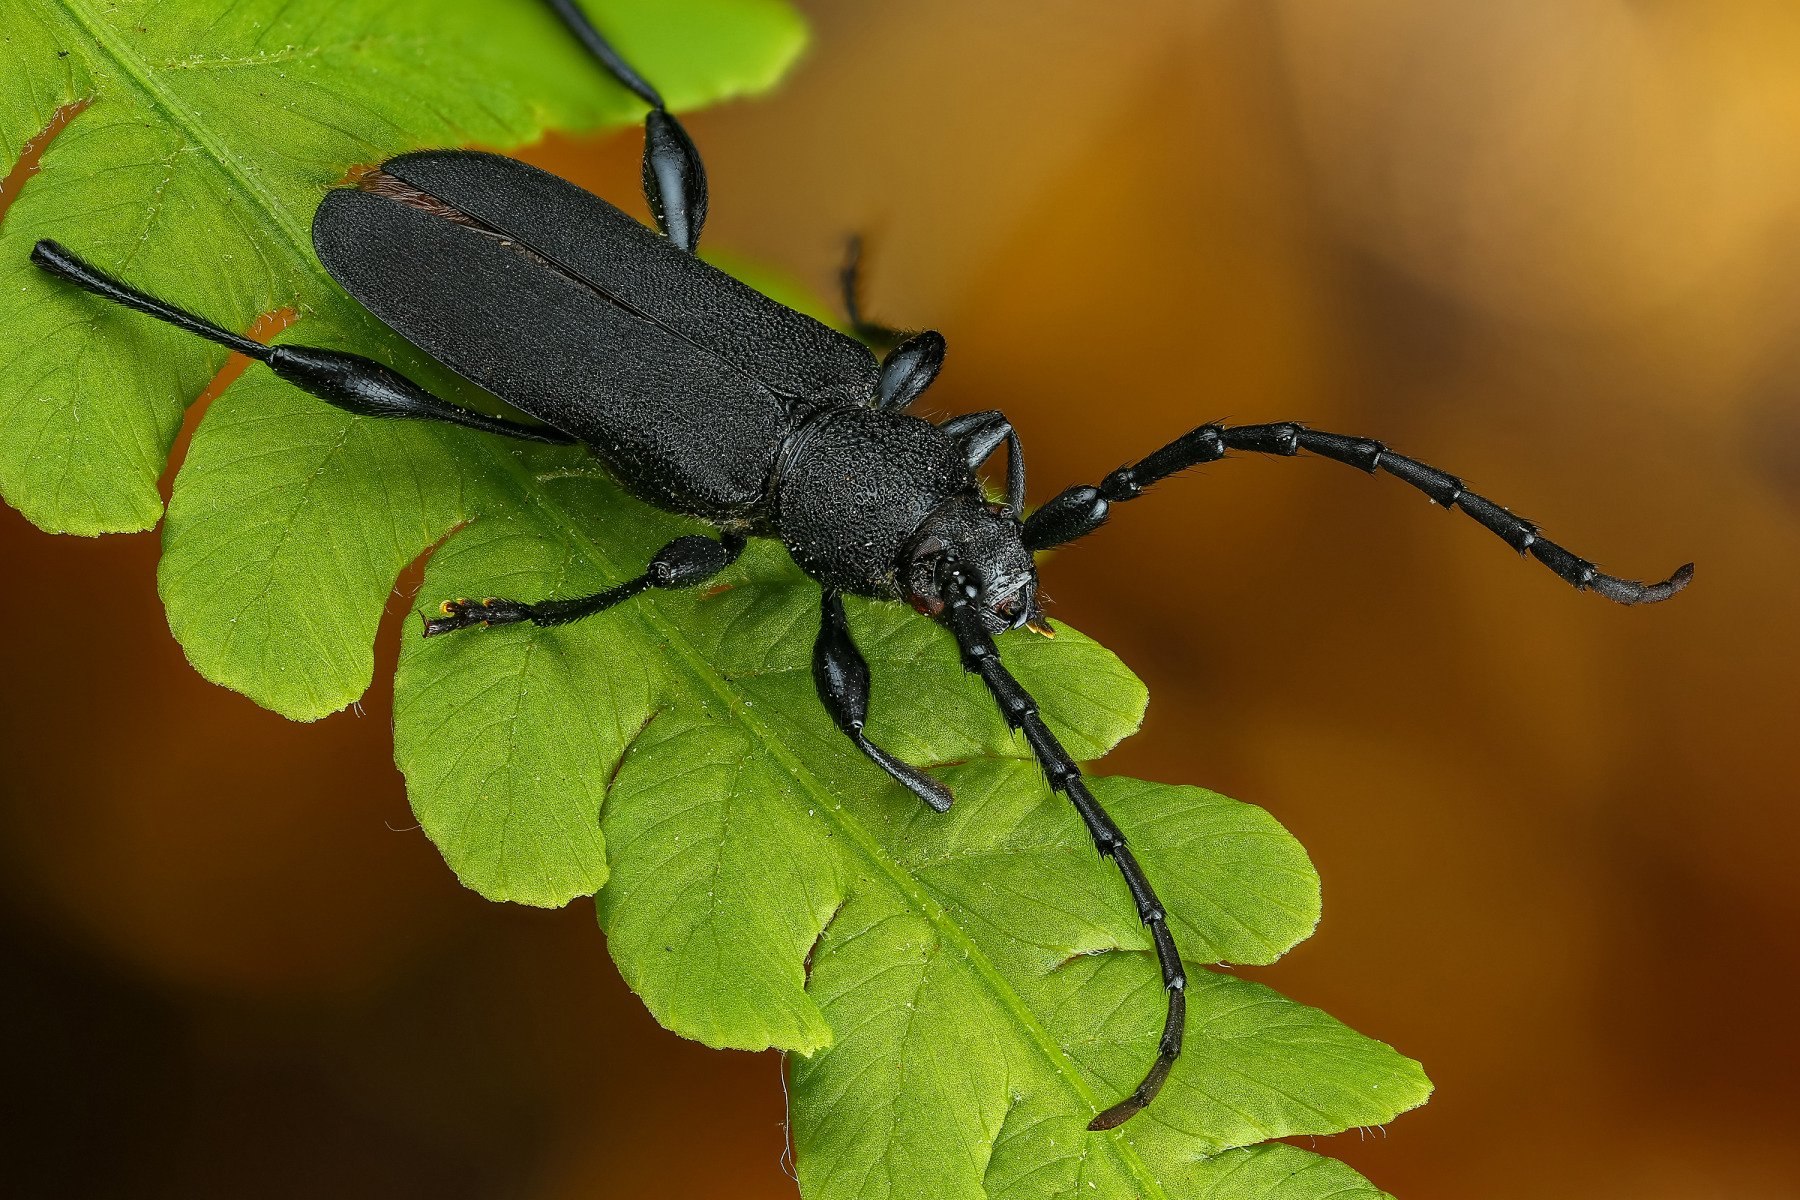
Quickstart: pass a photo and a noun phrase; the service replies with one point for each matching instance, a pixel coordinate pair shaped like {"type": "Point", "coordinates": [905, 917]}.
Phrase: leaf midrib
{"type": "Point", "coordinates": [144, 76]}
{"type": "Point", "coordinates": [855, 833]}
{"type": "Point", "coordinates": [299, 244]}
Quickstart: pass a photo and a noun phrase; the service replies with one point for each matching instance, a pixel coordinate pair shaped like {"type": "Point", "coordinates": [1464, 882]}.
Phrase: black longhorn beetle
{"type": "Point", "coordinates": [708, 399]}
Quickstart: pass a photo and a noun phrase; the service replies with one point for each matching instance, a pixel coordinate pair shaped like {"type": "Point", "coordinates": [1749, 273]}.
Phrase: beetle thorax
{"type": "Point", "coordinates": [855, 488]}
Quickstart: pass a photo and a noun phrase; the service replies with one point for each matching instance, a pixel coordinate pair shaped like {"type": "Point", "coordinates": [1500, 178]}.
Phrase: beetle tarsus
{"type": "Point", "coordinates": [462, 614]}
{"type": "Point", "coordinates": [1630, 592]}
{"type": "Point", "coordinates": [682, 563]}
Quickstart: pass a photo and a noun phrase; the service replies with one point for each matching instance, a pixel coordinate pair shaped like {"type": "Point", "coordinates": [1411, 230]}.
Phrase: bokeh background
{"type": "Point", "coordinates": [1548, 244]}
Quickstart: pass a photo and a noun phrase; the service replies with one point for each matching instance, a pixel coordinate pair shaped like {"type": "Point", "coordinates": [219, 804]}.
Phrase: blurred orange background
{"type": "Point", "coordinates": [1549, 245]}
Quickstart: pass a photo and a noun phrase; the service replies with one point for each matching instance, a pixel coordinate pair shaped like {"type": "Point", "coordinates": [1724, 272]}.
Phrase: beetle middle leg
{"type": "Point", "coordinates": [910, 362]}
{"type": "Point", "coordinates": [873, 334]}
{"type": "Point", "coordinates": [684, 562]}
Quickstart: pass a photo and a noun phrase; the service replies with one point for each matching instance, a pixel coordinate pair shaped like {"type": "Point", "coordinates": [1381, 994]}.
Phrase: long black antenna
{"type": "Point", "coordinates": [961, 595]}
{"type": "Point", "coordinates": [1078, 511]}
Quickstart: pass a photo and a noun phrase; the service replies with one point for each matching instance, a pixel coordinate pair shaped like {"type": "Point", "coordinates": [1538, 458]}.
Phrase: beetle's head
{"type": "Point", "coordinates": [987, 541]}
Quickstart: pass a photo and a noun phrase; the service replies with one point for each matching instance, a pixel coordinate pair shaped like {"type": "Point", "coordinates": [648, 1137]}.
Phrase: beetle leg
{"type": "Point", "coordinates": [674, 176]}
{"type": "Point", "coordinates": [909, 369]}
{"type": "Point", "coordinates": [980, 434]}
{"type": "Point", "coordinates": [842, 676]}
{"type": "Point", "coordinates": [682, 563]}
{"type": "Point", "coordinates": [348, 381]}
{"type": "Point", "coordinates": [961, 595]}
{"type": "Point", "coordinates": [1079, 511]}
{"type": "Point", "coordinates": [909, 362]}
{"type": "Point", "coordinates": [873, 334]}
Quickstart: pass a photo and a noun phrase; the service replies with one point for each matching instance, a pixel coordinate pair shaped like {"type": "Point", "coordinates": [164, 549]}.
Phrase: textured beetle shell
{"type": "Point", "coordinates": [786, 351]}
{"type": "Point", "coordinates": [859, 488]}
{"type": "Point", "coordinates": [674, 424]}
{"type": "Point", "coordinates": [700, 394]}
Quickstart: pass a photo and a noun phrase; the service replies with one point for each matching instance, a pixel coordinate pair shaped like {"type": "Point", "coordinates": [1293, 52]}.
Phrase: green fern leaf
{"type": "Point", "coordinates": [961, 992]}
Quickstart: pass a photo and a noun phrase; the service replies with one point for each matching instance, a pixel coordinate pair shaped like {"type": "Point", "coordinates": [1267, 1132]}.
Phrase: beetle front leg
{"type": "Point", "coordinates": [980, 434]}
{"type": "Point", "coordinates": [674, 176]}
{"type": "Point", "coordinates": [682, 563]}
{"type": "Point", "coordinates": [842, 676]}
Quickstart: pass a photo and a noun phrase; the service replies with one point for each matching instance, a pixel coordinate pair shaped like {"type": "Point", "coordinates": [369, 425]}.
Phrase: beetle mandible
{"type": "Point", "coordinates": [754, 419]}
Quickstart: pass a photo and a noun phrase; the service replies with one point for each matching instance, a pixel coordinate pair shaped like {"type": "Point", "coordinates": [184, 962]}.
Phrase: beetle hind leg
{"type": "Point", "coordinates": [357, 385]}
{"type": "Point", "coordinates": [684, 562]}
{"type": "Point", "coordinates": [674, 176]}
